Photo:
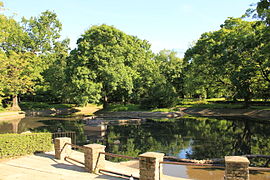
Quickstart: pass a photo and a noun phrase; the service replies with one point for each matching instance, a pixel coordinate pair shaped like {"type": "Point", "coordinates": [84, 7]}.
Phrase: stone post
{"type": "Point", "coordinates": [236, 168]}
{"type": "Point", "coordinates": [60, 151]}
{"type": "Point", "coordinates": [150, 167]}
{"type": "Point", "coordinates": [93, 160]}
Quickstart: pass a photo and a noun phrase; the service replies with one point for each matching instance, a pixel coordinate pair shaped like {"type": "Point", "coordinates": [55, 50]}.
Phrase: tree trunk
{"type": "Point", "coordinates": [246, 102]}
{"type": "Point", "coordinates": [105, 102]}
{"type": "Point", "coordinates": [15, 105]}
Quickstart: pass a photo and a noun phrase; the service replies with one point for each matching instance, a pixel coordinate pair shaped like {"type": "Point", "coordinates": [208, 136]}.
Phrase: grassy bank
{"type": "Point", "coordinates": [42, 105]}
{"type": "Point", "coordinates": [216, 103]}
{"type": "Point", "coordinates": [220, 103]}
{"type": "Point", "coordinates": [135, 107]}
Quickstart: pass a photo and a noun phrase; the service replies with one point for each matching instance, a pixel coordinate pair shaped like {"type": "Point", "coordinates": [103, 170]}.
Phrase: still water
{"type": "Point", "coordinates": [192, 138]}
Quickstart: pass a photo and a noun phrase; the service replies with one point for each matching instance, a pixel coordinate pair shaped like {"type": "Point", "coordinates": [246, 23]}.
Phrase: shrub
{"type": "Point", "coordinates": [12, 145]}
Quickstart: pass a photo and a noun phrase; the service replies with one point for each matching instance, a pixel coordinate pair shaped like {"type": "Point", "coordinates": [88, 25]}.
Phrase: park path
{"type": "Point", "coordinates": [43, 166]}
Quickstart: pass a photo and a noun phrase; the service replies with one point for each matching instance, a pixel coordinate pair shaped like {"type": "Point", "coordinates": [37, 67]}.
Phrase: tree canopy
{"type": "Point", "coordinates": [110, 66]}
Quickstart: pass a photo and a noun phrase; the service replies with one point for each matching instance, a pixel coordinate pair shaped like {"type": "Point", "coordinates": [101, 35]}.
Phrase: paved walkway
{"type": "Point", "coordinates": [43, 166]}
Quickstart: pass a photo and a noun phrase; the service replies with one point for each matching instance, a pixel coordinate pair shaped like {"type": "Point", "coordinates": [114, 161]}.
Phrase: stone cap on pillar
{"type": "Point", "coordinates": [63, 138]}
{"type": "Point", "coordinates": [95, 146]}
{"type": "Point", "coordinates": [152, 155]}
{"type": "Point", "coordinates": [236, 159]}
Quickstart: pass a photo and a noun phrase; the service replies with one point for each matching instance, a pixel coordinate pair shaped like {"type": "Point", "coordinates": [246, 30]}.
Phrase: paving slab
{"type": "Point", "coordinates": [43, 166]}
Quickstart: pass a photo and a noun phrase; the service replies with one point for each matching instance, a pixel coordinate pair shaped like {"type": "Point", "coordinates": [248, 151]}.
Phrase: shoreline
{"type": "Point", "coordinates": [227, 112]}
{"type": "Point", "coordinates": [203, 112]}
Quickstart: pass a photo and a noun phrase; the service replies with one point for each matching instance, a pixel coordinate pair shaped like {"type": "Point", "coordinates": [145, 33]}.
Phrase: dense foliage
{"type": "Point", "coordinates": [109, 66]}
{"type": "Point", "coordinates": [231, 62]}
{"type": "Point", "coordinates": [12, 145]}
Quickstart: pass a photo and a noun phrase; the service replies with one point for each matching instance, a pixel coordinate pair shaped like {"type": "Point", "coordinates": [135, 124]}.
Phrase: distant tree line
{"type": "Point", "coordinates": [109, 66]}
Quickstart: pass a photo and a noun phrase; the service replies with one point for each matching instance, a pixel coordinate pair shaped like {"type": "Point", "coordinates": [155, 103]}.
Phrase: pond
{"type": "Point", "coordinates": [193, 138]}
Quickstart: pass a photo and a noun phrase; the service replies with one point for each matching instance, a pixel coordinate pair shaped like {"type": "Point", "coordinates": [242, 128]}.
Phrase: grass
{"type": "Point", "coordinates": [43, 105]}
{"type": "Point", "coordinates": [261, 107]}
{"type": "Point", "coordinates": [200, 118]}
{"type": "Point", "coordinates": [164, 109]}
{"type": "Point", "coordinates": [164, 119]}
{"type": "Point", "coordinates": [2, 109]}
{"type": "Point", "coordinates": [122, 107]}
{"type": "Point", "coordinates": [216, 103]}
{"type": "Point", "coordinates": [185, 103]}
{"type": "Point", "coordinates": [135, 107]}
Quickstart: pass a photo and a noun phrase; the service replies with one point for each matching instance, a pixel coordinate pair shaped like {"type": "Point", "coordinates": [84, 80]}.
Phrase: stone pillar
{"type": "Point", "coordinates": [93, 160]}
{"type": "Point", "coordinates": [150, 167]}
{"type": "Point", "coordinates": [60, 151]}
{"type": "Point", "coordinates": [236, 168]}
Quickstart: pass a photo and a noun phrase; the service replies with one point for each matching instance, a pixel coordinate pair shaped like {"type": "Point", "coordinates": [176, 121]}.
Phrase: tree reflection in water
{"type": "Point", "coordinates": [194, 138]}
{"type": "Point", "coordinates": [204, 139]}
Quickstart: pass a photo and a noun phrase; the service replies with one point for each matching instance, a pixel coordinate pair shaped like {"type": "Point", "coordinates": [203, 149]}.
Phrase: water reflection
{"type": "Point", "coordinates": [185, 138]}
{"type": "Point", "coordinates": [10, 126]}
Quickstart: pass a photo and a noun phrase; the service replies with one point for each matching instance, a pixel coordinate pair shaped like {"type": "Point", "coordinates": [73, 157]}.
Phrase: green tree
{"type": "Point", "coordinates": [228, 57]}
{"type": "Point", "coordinates": [28, 50]}
{"type": "Point", "coordinates": [19, 72]}
{"type": "Point", "coordinates": [54, 78]}
{"type": "Point", "coordinates": [262, 16]}
{"type": "Point", "coordinates": [263, 11]}
{"type": "Point", "coordinates": [44, 39]}
{"type": "Point", "coordinates": [106, 62]}
{"type": "Point", "coordinates": [18, 66]}
{"type": "Point", "coordinates": [171, 67]}
{"type": "Point", "coordinates": [202, 77]}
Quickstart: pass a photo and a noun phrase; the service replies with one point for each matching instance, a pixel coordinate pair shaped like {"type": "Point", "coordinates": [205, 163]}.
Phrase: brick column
{"type": "Point", "coordinates": [92, 158]}
{"type": "Point", "coordinates": [59, 143]}
{"type": "Point", "coordinates": [236, 168]}
{"type": "Point", "coordinates": [149, 165]}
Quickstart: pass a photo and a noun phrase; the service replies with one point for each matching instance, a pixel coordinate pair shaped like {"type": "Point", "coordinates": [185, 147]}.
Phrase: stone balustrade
{"type": "Point", "coordinates": [150, 168]}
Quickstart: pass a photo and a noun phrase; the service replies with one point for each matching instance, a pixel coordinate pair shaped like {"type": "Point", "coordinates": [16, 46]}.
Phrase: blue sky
{"type": "Point", "coordinates": [166, 24]}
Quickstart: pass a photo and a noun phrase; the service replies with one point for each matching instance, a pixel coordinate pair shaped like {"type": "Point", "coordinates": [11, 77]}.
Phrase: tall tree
{"type": "Point", "coordinates": [17, 65]}
{"type": "Point", "coordinates": [171, 67]}
{"type": "Point", "coordinates": [229, 57]}
{"type": "Point", "coordinates": [27, 50]}
{"type": "Point", "coordinates": [107, 61]}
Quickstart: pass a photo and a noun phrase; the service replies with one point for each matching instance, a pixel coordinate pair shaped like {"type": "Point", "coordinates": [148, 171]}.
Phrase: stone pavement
{"type": "Point", "coordinates": [43, 166]}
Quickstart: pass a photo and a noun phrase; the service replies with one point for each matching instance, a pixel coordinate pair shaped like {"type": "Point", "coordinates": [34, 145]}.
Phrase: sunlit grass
{"type": "Point", "coordinates": [211, 105]}
{"type": "Point", "coordinates": [2, 109]}
{"type": "Point", "coordinates": [217, 103]}
{"type": "Point", "coordinates": [43, 105]}
{"type": "Point", "coordinates": [122, 107]}
{"type": "Point", "coordinates": [200, 118]}
{"type": "Point", "coordinates": [164, 119]}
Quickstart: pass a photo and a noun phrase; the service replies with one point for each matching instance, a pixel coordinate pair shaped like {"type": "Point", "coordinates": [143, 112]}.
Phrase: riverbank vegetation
{"type": "Point", "coordinates": [109, 66]}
